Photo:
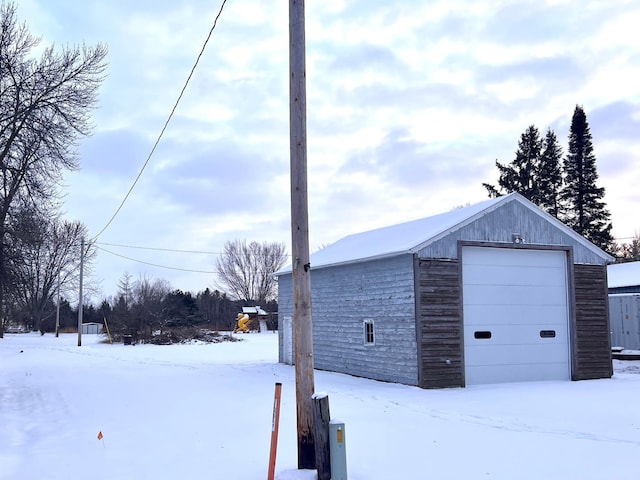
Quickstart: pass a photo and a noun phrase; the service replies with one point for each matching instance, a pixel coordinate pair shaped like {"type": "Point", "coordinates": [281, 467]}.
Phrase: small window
{"type": "Point", "coordinates": [369, 337]}
{"type": "Point", "coordinates": [483, 334]}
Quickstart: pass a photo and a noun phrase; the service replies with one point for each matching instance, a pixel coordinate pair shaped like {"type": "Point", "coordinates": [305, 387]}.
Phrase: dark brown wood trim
{"type": "Point", "coordinates": [593, 340]}
{"type": "Point", "coordinates": [418, 320]}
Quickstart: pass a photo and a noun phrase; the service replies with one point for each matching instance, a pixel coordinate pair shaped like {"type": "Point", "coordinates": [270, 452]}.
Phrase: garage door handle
{"type": "Point", "coordinates": [483, 334]}
{"type": "Point", "coordinates": [547, 334]}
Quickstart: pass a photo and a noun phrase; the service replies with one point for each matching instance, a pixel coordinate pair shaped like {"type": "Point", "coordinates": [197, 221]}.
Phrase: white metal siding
{"type": "Point", "coordinates": [624, 316]}
{"type": "Point", "coordinates": [515, 294]}
{"type": "Point", "coordinates": [343, 297]}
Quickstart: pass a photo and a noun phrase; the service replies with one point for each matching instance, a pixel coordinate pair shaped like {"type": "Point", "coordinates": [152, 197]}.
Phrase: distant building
{"type": "Point", "coordinates": [91, 328]}
{"type": "Point", "coordinates": [624, 277]}
{"type": "Point", "coordinates": [624, 317]}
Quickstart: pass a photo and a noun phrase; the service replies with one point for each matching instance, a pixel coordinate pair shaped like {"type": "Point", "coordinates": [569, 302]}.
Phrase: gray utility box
{"type": "Point", "coordinates": [624, 317]}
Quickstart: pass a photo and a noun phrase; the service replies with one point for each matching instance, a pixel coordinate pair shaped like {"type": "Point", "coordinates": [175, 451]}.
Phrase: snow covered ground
{"type": "Point", "coordinates": [204, 412]}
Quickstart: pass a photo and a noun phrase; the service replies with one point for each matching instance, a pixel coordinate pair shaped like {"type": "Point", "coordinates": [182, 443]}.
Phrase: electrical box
{"type": "Point", "coordinates": [337, 450]}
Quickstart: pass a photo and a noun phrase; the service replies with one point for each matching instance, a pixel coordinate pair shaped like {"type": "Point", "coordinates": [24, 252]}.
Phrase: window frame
{"type": "Point", "coordinates": [369, 332]}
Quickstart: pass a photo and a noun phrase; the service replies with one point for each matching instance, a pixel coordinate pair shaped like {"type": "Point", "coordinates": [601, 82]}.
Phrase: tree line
{"type": "Point", "coordinates": [146, 308]}
{"type": "Point", "coordinates": [565, 186]}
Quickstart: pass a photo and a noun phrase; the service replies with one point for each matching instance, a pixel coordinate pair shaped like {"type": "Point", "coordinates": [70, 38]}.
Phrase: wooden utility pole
{"type": "Point", "coordinates": [80, 294]}
{"type": "Point", "coordinates": [303, 331]}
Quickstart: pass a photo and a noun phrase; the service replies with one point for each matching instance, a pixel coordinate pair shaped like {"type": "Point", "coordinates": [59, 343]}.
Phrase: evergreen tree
{"type": "Point", "coordinates": [521, 175]}
{"type": "Point", "coordinates": [586, 210]}
{"type": "Point", "coordinates": [180, 309]}
{"type": "Point", "coordinates": [550, 175]}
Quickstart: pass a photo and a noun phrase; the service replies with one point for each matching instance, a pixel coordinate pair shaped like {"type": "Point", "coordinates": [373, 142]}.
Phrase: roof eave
{"type": "Point", "coordinates": [461, 224]}
{"type": "Point", "coordinates": [349, 262]}
{"type": "Point", "coordinates": [514, 196]}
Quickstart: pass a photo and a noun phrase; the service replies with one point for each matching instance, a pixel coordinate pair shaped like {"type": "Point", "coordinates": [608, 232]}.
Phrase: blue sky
{"type": "Point", "coordinates": [409, 104]}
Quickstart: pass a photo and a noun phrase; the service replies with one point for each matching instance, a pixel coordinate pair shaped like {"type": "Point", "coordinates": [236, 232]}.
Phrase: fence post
{"type": "Point", "coordinates": [321, 419]}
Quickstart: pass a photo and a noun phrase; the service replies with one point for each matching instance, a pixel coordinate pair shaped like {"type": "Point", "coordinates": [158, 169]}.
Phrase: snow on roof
{"type": "Point", "coordinates": [396, 239]}
{"type": "Point", "coordinates": [257, 309]}
{"type": "Point", "coordinates": [623, 274]}
{"type": "Point", "coordinates": [411, 236]}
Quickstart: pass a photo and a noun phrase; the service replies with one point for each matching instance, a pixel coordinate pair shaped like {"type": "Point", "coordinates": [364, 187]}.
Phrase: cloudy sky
{"type": "Point", "coordinates": [409, 104]}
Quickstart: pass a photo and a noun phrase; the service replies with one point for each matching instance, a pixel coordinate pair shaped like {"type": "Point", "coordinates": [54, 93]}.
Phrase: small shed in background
{"type": "Point", "coordinates": [91, 328]}
{"type": "Point", "coordinates": [624, 277]}
{"type": "Point", "coordinates": [624, 315]}
{"type": "Point", "coordinates": [495, 292]}
{"type": "Point", "coordinates": [624, 305]}
{"type": "Point", "coordinates": [257, 313]}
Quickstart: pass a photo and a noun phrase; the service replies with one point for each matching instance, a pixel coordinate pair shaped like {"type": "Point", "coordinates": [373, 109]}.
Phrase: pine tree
{"type": "Point", "coordinates": [586, 210]}
{"type": "Point", "coordinates": [550, 175]}
{"type": "Point", "coordinates": [521, 175]}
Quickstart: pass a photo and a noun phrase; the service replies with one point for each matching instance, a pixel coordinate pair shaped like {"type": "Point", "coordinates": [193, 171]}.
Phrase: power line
{"type": "Point", "coordinates": [158, 249]}
{"type": "Point", "coordinates": [175, 106]}
{"type": "Point", "coordinates": [173, 250]}
{"type": "Point", "coordinates": [155, 264]}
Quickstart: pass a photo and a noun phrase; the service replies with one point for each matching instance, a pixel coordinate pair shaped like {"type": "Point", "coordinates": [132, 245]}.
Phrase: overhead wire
{"type": "Point", "coordinates": [155, 264]}
{"type": "Point", "coordinates": [155, 145]}
{"type": "Point", "coordinates": [171, 250]}
{"type": "Point", "coordinates": [159, 249]}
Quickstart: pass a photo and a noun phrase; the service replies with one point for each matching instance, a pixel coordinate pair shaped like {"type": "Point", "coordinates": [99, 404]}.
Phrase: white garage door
{"type": "Point", "coordinates": [515, 315]}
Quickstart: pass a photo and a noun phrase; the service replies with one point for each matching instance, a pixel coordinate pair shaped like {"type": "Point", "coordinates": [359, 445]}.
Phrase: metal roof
{"type": "Point", "coordinates": [409, 237]}
{"type": "Point", "coordinates": [623, 275]}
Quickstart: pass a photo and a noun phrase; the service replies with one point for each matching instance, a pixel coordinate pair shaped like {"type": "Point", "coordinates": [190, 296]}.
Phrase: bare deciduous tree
{"type": "Point", "coordinates": [246, 270]}
{"type": "Point", "coordinates": [47, 258]}
{"type": "Point", "coordinates": [44, 109]}
{"type": "Point", "coordinates": [629, 252]}
{"type": "Point", "coordinates": [148, 297]}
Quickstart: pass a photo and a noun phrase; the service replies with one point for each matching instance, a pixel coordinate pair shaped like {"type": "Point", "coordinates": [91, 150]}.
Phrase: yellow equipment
{"type": "Point", "coordinates": [243, 323]}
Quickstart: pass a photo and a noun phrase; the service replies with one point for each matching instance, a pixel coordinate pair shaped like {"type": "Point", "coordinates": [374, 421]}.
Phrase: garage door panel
{"type": "Point", "coordinates": [516, 275]}
{"type": "Point", "coordinates": [516, 355]}
{"type": "Point", "coordinates": [515, 314]}
{"type": "Point", "coordinates": [521, 334]}
{"type": "Point", "coordinates": [511, 257]}
{"type": "Point", "coordinates": [506, 373]}
{"type": "Point", "coordinates": [513, 295]}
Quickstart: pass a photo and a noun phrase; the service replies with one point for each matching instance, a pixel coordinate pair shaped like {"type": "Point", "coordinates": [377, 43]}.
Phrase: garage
{"type": "Point", "coordinates": [515, 314]}
{"type": "Point", "coordinates": [495, 292]}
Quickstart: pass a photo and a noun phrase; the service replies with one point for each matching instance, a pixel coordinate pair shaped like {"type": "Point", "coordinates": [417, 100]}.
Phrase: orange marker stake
{"type": "Point", "coordinates": [274, 431]}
